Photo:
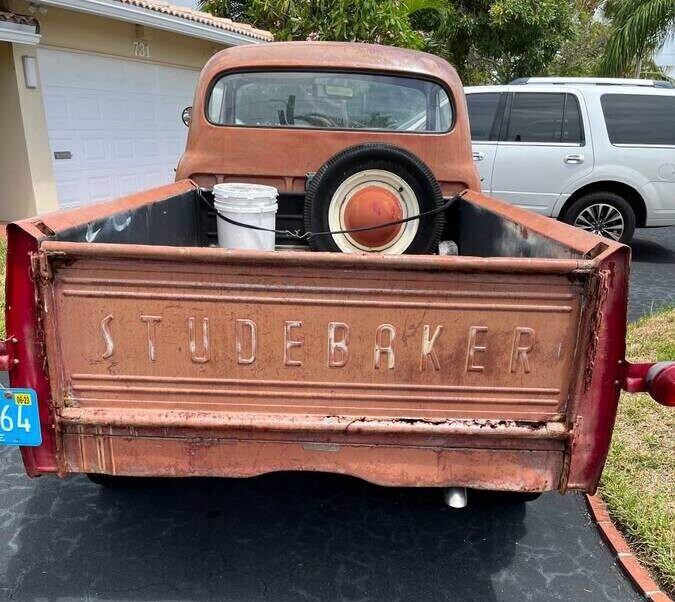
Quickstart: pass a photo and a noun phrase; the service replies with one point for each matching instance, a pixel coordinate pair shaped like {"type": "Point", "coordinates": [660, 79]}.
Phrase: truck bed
{"type": "Point", "coordinates": [162, 355]}
{"type": "Point", "coordinates": [184, 220]}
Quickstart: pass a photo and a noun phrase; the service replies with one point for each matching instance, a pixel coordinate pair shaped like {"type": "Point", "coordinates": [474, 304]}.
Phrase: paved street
{"type": "Point", "coordinates": [308, 536]}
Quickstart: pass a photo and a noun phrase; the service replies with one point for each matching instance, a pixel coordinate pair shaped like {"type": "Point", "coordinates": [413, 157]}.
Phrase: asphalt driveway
{"type": "Point", "coordinates": [652, 279]}
{"type": "Point", "coordinates": [284, 537]}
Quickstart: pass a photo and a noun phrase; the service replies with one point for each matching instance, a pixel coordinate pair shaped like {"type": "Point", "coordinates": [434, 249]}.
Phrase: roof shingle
{"type": "Point", "coordinates": [8, 17]}
{"type": "Point", "coordinates": [201, 17]}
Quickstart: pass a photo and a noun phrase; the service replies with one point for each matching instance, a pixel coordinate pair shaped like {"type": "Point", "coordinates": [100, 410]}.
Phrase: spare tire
{"type": "Point", "coordinates": [371, 184]}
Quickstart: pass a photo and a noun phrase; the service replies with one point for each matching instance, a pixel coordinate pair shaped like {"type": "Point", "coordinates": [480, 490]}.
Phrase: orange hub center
{"type": "Point", "coordinates": [371, 206]}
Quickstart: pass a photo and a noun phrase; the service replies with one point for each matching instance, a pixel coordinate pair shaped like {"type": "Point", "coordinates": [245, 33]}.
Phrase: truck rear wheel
{"type": "Point", "coordinates": [371, 184]}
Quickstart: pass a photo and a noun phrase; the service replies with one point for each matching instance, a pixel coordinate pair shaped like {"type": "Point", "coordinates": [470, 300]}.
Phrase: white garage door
{"type": "Point", "coordinates": [114, 125]}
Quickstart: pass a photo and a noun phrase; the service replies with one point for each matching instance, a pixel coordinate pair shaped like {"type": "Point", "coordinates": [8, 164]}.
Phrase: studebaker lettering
{"type": "Point", "coordinates": [338, 339]}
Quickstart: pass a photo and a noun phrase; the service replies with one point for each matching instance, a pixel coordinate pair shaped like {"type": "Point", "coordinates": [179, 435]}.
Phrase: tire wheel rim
{"type": "Point", "coordinates": [398, 199]}
{"type": "Point", "coordinates": [603, 219]}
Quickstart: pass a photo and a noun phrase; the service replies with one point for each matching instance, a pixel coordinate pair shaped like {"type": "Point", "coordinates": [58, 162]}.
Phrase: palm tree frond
{"type": "Point", "coordinates": [639, 27]}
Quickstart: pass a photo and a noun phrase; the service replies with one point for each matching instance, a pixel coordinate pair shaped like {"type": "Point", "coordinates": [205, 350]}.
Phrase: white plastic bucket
{"type": "Point", "coordinates": [252, 204]}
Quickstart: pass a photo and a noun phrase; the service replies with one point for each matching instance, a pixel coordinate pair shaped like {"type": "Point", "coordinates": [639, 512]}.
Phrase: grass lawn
{"type": "Point", "coordinates": [638, 484]}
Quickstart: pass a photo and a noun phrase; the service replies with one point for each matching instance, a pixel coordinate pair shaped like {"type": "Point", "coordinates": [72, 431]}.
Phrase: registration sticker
{"type": "Point", "coordinates": [19, 418]}
{"type": "Point", "coordinates": [23, 399]}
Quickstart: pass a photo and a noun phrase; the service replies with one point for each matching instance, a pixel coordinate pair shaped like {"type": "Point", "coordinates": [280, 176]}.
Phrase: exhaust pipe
{"type": "Point", "coordinates": [455, 497]}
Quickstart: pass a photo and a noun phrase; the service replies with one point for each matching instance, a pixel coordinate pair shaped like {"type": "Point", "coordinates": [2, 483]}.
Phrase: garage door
{"type": "Point", "coordinates": [114, 125]}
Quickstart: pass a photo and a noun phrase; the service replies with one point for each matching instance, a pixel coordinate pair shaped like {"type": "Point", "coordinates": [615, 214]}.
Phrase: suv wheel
{"type": "Point", "coordinates": [604, 213]}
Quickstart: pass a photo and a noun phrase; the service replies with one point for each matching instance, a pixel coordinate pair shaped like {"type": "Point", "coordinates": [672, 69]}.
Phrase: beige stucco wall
{"type": "Point", "coordinates": [43, 187]}
{"type": "Point", "coordinates": [26, 179]}
{"type": "Point", "coordinates": [15, 182]}
{"type": "Point", "coordinates": [80, 31]}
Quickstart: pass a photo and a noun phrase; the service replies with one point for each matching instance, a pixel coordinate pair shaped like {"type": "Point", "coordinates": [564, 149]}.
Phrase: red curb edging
{"type": "Point", "coordinates": [638, 574]}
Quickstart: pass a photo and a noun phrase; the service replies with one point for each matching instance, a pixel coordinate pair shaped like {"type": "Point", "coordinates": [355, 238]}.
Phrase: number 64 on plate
{"type": "Point", "coordinates": [19, 418]}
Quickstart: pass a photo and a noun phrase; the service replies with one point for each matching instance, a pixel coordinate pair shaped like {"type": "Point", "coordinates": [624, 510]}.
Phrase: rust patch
{"type": "Point", "coordinates": [394, 465]}
{"type": "Point", "coordinates": [601, 282]}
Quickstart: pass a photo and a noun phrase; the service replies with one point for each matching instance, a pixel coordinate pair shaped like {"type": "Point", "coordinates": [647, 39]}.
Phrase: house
{"type": "Point", "coordinates": [665, 57]}
{"type": "Point", "coordinates": [92, 93]}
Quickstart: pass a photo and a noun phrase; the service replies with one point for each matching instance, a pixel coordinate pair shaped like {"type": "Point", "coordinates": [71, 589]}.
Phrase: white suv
{"type": "Point", "coordinates": [596, 153]}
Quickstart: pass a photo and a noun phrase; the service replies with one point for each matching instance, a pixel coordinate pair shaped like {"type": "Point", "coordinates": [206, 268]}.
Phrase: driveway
{"type": "Point", "coordinates": [284, 537]}
{"type": "Point", "coordinates": [652, 279]}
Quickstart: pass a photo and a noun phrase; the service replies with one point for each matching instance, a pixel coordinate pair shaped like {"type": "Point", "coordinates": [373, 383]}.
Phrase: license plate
{"type": "Point", "coordinates": [19, 419]}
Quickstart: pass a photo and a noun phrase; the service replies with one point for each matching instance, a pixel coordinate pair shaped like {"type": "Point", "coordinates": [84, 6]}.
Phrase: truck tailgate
{"type": "Point", "coordinates": [429, 338]}
{"type": "Point", "coordinates": [161, 355]}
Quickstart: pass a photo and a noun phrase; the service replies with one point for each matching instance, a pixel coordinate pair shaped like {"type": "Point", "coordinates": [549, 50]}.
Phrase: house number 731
{"type": "Point", "coordinates": [142, 49]}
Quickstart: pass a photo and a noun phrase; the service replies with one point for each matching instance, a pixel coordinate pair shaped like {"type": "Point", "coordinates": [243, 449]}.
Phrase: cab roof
{"type": "Point", "coordinates": [333, 55]}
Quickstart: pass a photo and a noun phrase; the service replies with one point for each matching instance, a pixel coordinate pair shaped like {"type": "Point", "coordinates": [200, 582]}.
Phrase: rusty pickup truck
{"type": "Point", "coordinates": [464, 344]}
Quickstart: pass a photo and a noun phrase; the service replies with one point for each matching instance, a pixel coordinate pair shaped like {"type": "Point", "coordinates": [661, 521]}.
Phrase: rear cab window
{"type": "Point", "coordinates": [639, 119]}
{"type": "Point", "coordinates": [352, 101]}
{"type": "Point", "coordinates": [544, 117]}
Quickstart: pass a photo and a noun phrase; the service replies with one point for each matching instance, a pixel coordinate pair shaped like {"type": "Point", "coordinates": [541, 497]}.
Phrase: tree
{"type": "Point", "coordinates": [639, 27]}
{"type": "Point", "coordinates": [487, 40]}
{"type": "Point", "coordinates": [494, 41]}
{"type": "Point", "coordinates": [376, 21]}
{"type": "Point", "coordinates": [230, 9]}
{"type": "Point", "coordinates": [581, 53]}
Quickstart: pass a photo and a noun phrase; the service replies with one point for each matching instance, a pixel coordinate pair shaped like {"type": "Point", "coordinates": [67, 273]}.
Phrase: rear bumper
{"type": "Point", "coordinates": [482, 455]}
{"type": "Point", "coordinates": [660, 201]}
{"type": "Point", "coordinates": [658, 221]}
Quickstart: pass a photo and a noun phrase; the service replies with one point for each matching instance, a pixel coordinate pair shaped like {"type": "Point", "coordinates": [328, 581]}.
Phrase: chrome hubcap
{"type": "Point", "coordinates": [603, 219]}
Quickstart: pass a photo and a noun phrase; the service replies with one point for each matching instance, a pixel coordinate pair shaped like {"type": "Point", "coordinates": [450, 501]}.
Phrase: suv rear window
{"type": "Point", "coordinates": [329, 100]}
{"type": "Point", "coordinates": [639, 118]}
